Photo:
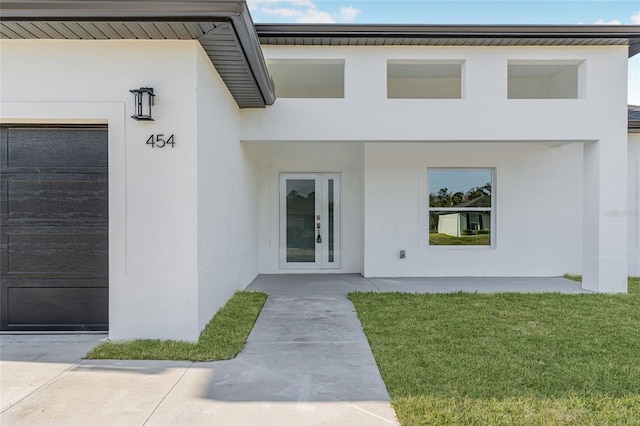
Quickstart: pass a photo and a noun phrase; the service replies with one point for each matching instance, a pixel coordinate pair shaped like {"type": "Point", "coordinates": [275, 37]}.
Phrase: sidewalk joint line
{"type": "Point", "coordinates": [369, 412]}
{"type": "Point", "coordinates": [167, 394]}
{"type": "Point", "coordinates": [40, 387]}
{"type": "Point", "coordinates": [371, 282]}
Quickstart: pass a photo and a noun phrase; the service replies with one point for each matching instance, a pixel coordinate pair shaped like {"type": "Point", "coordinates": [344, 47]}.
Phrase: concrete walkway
{"type": "Point", "coordinates": [306, 362]}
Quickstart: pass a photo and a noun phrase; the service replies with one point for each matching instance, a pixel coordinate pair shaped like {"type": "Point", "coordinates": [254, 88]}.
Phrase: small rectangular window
{"type": "Point", "coordinates": [424, 79]}
{"type": "Point", "coordinates": [461, 206]}
{"type": "Point", "coordinates": [544, 80]}
{"type": "Point", "coordinates": [307, 78]}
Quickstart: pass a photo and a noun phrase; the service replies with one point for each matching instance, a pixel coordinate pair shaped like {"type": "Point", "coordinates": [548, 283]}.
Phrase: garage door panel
{"type": "Point", "coordinates": [57, 198]}
{"type": "Point", "coordinates": [56, 148]}
{"type": "Point", "coordinates": [20, 280]}
{"type": "Point", "coordinates": [58, 306]}
{"type": "Point", "coordinates": [58, 253]}
{"type": "Point", "coordinates": [54, 228]}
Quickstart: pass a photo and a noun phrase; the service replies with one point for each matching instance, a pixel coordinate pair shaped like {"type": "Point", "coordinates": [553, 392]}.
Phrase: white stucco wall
{"type": "Point", "coordinates": [484, 113]}
{"type": "Point", "coordinates": [538, 226]}
{"type": "Point", "coordinates": [191, 224]}
{"type": "Point", "coordinates": [162, 283]}
{"type": "Point", "coordinates": [227, 196]}
{"type": "Point", "coordinates": [633, 212]}
{"type": "Point", "coordinates": [592, 129]}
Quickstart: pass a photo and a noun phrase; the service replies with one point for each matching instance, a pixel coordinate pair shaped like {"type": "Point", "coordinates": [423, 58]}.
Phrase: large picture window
{"type": "Point", "coordinates": [461, 206]}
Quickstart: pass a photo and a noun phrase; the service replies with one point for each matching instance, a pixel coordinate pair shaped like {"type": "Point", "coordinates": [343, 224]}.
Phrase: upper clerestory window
{"type": "Point", "coordinates": [545, 79]}
{"type": "Point", "coordinates": [307, 78]}
{"type": "Point", "coordinates": [425, 79]}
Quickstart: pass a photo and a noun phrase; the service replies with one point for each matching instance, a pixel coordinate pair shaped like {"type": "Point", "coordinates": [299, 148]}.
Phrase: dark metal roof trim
{"type": "Point", "coordinates": [223, 27]}
{"type": "Point", "coordinates": [130, 9]}
{"type": "Point", "coordinates": [253, 53]}
{"type": "Point", "coordinates": [402, 30]}
{"type": "Point", "coordinates": [357, 34]}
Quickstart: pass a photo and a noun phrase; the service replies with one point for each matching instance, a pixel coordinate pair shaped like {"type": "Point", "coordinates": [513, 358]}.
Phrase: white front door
{"type": "Point", "coordinates": [310, 220]}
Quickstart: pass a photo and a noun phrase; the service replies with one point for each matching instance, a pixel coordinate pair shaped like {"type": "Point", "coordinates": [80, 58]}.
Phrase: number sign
{"type": "Point", "coordinates": [161, 141]}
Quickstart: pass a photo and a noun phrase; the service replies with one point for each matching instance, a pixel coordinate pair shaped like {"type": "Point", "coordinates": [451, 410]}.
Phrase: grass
{"type": "Point", "coordinates": [576, 277]}
{"type": "Point", "coordinates": [222, 338]}
{"type": "Point", "coordinates": [449, 240]}
{"type": "Point", "coordinates": [507, 359]}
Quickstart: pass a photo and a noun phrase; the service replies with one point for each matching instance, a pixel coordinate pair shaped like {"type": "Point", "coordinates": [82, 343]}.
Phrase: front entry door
{"type": "Point", "coordinates": [310, 220]}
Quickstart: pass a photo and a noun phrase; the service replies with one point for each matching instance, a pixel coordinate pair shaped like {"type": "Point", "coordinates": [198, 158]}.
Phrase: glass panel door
{"type": "Point", "coordinates": [301, 220]}
{"type": "Point", "coordinates": [310, 220]}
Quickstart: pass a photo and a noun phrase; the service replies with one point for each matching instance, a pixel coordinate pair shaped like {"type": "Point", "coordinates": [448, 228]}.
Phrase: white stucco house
{"type": "Point", "coordinates": [297, 149]}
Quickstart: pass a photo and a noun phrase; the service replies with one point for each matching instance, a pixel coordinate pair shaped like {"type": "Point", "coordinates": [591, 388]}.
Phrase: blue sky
{"type": "Point", "coordinates": [612, 12]}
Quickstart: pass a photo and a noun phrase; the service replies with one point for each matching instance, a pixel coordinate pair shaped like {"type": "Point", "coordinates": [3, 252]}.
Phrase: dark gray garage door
{"type": "Point", "coordinates": [54, 265]}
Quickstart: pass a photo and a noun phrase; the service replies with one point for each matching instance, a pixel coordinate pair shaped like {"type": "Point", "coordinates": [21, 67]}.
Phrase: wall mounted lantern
{"type": "Point", "coordinates": [142, 102]}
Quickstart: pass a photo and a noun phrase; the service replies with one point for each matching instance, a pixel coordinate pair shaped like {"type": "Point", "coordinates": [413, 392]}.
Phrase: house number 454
{"type": "Point", "coordinates": [161, 141]}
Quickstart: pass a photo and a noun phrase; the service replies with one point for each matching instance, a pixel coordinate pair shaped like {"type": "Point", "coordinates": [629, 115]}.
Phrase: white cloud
{"type": "Point", "coordinates": [306, 3]}
{"type": "Point", "coordinates": [348, 13]}
{"type": "Point", "coordinates": [305, 16]}
{"type": "Point", "coordinates": [633, 20]}
{"type": "Point", "coordinates": [301, 11]}
{"type": "Point", "coordinates": [315, 16]}
{"type": "Point", "coordinates": [282, 12]}
{"type": "Point", "coordinates": [612, 22]}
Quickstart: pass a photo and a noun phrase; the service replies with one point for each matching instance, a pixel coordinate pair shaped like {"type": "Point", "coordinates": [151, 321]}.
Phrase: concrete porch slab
{"type": "Point", "coordinates": [478, 285]}
{"type": "Point", "coordinates": [319, 284]}
{"type": "Point", "coordinates": [333, 284]}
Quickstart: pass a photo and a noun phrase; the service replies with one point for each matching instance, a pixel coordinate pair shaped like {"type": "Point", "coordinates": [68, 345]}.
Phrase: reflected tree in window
{"type": "Point", "coordinates": [301, 202]}
{"type": "Point", "coordinates": [460, 206]}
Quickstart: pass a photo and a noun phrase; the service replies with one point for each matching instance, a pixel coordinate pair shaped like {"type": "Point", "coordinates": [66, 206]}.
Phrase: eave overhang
{"type": "Point", "coordinates": [450, 35]}
{"type": "Point", "coordinates": [224, 29]}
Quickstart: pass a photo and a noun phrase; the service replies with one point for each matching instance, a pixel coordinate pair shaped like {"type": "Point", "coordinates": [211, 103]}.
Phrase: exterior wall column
{"type": "Point", "coordinates": [605, 222]}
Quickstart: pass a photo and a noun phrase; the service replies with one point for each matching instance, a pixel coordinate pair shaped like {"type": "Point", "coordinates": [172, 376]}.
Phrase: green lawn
{"type": "Point", "coordinates": [507, 359]}
{"type": "Point", "coordinates": [222, 338]}
{"type": "Point", "coordinates": [449, 240]}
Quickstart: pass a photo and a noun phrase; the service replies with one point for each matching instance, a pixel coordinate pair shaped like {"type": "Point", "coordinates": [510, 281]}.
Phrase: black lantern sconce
{"type": "Point", "coordinates": [142, 102]}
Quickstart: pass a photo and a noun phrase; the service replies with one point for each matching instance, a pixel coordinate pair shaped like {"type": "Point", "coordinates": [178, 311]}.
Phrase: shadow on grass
{"type": "Point", "coordinates": [222, 338]}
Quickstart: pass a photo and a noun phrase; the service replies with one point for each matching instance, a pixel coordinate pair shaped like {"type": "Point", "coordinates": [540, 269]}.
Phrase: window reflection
{"type": "Point", "coordinates": [460, 206]}
{"type": "Point", "coordinates": [301, 205]}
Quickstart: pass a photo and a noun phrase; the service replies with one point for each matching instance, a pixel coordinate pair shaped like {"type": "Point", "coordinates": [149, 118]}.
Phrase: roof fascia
{"type": "Point", "coordinates": [393, 31]}
{"type": "Point", "coordinates": [118, 9]}
{"type": "Point", "coordinates": [498, 31]}
{"type": "Point", "coordinates": [153, 10]}
{"type": "Point", "coordinates": [245, 30]}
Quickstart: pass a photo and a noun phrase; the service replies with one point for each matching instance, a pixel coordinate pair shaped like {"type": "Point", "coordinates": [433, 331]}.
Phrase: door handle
{"type": "Point", "coordinates": [319, 239]}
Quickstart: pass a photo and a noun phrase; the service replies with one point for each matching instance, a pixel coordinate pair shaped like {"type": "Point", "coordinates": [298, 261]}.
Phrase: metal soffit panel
{"type": "Point", "coordinates": [224, 49]}
{"type": "Point", "coordinates": [218, 39]}
{"type": "Point", "coordinates": [434, 41]}
{"type": "Point", "coordinates": [103, 30]}
{"type": "Point", "coordinates": [223, 28]}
